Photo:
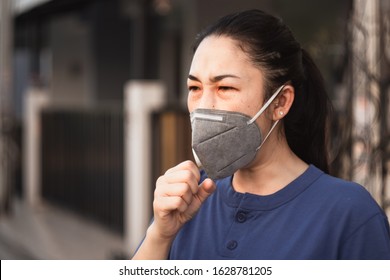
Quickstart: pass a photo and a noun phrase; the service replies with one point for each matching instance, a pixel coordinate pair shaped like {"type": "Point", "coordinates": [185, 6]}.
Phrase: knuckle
{"type": "Point", "coordinates": [188, 176]}
{"type": "Point", "coordinates": [177, 203]}
{"type": "Point", "coordinates": [160, 180]}
{"type": "Point", "coordinates": [156, 206]}
{"type": "Point", "coordinates": [182, 207]}
{"type": "Point", "coordinates": [189, 198]}
{"type": "Point", "coordinates": [186, 189]}
{"type": "Point", "coordinates": [168, 171]}
{"type": "Point", "coordinates": [188, 164]}
{"type": "Point", "coordinates": [160, 184]}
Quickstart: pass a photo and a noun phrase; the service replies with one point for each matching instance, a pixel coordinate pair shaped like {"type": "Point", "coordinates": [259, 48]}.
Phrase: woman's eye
{"type": "Point", "coordinates": [223, 88]}
{"type": "Point", "coordinates": [193, 88]}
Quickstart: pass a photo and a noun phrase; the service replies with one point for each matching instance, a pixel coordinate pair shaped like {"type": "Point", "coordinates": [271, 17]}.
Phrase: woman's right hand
{"type": "Point", "coordinates": [178, 197]}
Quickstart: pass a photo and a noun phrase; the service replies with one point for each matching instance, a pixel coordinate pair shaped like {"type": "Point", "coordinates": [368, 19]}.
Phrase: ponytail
{"type": "Point", "coordinates": [306, 123]}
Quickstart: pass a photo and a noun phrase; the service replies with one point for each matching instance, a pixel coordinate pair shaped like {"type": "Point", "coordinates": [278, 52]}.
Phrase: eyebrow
{"type": "Point", "coordinates": [216, 78]}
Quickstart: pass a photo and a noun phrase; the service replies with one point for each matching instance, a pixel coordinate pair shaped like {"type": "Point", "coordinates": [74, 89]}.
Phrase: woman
{"type": "Point", "coordinates": [258, 112]}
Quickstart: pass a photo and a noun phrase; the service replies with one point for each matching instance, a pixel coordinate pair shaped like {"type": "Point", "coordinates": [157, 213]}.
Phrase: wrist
{"type": "Point", "coordinates": [155, 246]}
{"type": "Point", "coordinates": [155, 235]}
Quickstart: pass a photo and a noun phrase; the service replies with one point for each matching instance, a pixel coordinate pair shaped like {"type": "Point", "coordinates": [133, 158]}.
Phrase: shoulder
{"type": "Point", "coordinates": [360, 223]}
{"type": "Point", "coordinates": [345, 191]}
{"type": "Point", "coordinates": [346, 199]}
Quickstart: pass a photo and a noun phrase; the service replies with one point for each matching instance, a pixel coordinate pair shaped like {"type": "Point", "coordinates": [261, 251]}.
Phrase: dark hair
{"type": "Point", "coordinates": [272, 47]}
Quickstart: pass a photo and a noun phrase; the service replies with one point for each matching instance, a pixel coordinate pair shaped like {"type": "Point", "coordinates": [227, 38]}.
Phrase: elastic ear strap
{"type": "Point", "coordinates": [269, 132]}
{"type": "Point", "coordinates": [197, 160]}
{"type": "Point", "coordinates": [266, 105]}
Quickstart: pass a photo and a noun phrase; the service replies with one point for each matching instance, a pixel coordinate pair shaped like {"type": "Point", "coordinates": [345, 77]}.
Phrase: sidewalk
{"type": "Point", "coordinates": [53, 233]}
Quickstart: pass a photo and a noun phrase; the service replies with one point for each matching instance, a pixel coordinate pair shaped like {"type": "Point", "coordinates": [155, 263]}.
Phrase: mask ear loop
{"type": "Point", "coordinates": [262, 110]}
{"type": "Point", "coordinates": [197, 160]}
{"type": "Point", "coordinates": [266, 105]}
{"type": "Point", "coordinates": [268, 134]}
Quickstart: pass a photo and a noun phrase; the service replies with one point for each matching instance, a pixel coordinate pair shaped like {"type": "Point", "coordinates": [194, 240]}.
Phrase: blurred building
{"type": "Point", "coordinates": [99, 97]}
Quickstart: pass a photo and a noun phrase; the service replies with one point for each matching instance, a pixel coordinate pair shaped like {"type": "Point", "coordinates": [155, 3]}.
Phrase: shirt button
{"type": "Point", "coordinates": [241, 217]}
{"type": "Point", "coordinates": [232, 244]}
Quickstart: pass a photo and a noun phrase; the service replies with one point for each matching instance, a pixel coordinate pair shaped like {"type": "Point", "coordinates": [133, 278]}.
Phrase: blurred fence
{"type": "Point", "coordinates": [82, 162]}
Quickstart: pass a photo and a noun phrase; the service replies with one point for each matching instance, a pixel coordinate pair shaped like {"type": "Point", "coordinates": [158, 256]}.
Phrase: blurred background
{"type": "Point", "coordinates": [93, 110]}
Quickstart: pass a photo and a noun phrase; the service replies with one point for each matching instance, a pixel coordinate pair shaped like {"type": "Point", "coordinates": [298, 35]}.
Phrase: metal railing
{"type": "Point", "coordinates": [82, 162]}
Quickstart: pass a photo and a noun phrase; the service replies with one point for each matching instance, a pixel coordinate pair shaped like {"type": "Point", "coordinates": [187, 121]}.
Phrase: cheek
{"type": "Point", "coordinates": [248, 106]}
{"type": "Point", "coordinates": [190, 104]}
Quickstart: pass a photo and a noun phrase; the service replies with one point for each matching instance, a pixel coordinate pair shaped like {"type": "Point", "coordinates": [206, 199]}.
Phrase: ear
{"type": "Point", "coordinates": [283, 103]}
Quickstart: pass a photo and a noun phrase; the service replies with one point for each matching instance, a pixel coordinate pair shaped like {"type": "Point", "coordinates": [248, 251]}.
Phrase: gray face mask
{"type": "Point", "coordinates": [225, 141]}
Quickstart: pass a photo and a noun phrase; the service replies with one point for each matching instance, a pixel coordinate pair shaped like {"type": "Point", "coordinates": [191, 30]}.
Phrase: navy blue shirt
{"type": "Point", "coordinates": [314, 217]}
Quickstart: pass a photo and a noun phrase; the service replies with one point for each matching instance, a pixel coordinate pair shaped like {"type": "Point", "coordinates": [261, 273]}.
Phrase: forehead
{"type": "Point", "coordinates": [220, 53]}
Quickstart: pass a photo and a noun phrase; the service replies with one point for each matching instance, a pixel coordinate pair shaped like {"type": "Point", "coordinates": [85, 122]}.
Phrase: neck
{"type": "Point", "coordinates": [274, 167]}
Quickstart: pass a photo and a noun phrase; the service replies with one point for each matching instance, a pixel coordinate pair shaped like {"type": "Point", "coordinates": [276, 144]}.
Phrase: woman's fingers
{"type": "Point", "coordinates": [168, 204]}
{"type": "Point", "coordinates": [182, 177]}
{"type": "Point", "coordinates": [182, 190]}
{"type": "Point", "coordinates": [205, 190]}
{"type": "Point", "coordinates": [185, 166]}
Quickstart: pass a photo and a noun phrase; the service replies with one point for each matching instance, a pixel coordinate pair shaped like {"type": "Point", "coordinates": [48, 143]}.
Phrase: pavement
{"type": "Point", "coordinates": [48, 232]}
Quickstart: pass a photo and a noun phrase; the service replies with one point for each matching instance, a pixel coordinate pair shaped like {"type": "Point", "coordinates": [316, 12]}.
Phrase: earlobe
{"type": "Point", "coordinates": [284, 102]}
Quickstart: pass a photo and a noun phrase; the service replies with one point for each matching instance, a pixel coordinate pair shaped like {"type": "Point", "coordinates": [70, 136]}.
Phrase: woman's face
{"type": "Point", "coordinates": [223, 77]}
